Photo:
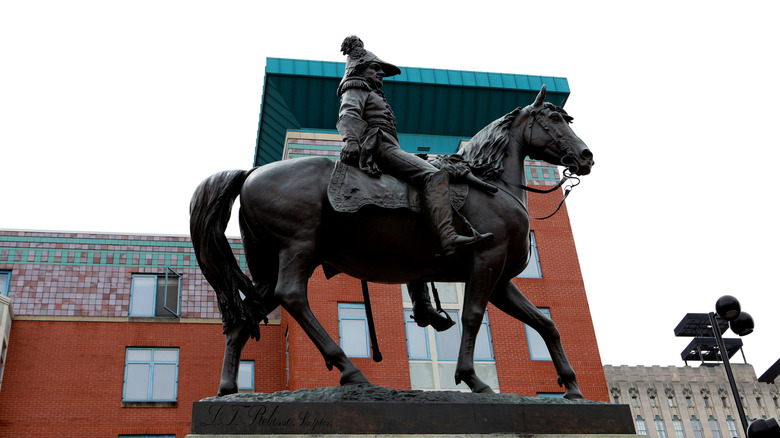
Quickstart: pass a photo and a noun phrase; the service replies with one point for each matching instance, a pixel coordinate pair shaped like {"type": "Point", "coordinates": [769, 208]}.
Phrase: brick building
{"type": "Point", "coordinates": [117, 334]}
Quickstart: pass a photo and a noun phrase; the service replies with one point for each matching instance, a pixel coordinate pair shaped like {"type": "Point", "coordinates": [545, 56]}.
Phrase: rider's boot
{"type": "Point", "coordinates": [423, 312]}
{"type": "Point", "coordinates": [436, 193]}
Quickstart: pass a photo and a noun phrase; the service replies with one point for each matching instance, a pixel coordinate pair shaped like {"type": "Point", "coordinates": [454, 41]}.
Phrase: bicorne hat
{"type": "Point", "coordinates": [357, 55]}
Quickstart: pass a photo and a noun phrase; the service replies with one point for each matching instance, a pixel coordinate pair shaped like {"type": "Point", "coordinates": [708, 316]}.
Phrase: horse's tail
{"type": "Point", "coordinates": [210, 210]}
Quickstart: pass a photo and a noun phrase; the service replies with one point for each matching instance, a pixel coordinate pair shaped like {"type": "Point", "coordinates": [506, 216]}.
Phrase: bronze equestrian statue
{"type": "Point", "coordinates": [289, 227]}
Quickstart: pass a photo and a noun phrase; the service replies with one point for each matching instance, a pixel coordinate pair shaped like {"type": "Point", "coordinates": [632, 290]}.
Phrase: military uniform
{"type": "Point", "coordinates": [366, 118]}
{"type": "Point", "coordinates": [367, 124]}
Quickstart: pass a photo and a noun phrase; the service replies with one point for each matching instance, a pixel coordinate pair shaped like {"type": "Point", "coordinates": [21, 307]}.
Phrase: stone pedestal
{"type": "Point", "coordinates": [371, 410]}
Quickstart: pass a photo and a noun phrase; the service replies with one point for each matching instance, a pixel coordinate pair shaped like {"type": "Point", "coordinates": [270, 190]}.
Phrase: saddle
{"type": "Point", "coordinates": [350, 189]}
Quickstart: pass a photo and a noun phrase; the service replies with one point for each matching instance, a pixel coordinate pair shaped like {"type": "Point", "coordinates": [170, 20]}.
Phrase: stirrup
{"type": "Point", "coordinates": [463, 242]}
{"type": "Point", "coordinates": [440, 321]}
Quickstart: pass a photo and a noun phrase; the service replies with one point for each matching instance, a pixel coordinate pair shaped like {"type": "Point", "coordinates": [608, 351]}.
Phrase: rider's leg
{"type": "Point", "coordinates": [435, 189]}
{"type": "Point", "coordinates": [436, 196]}
{"type": "Point", "coordinates": [424, 313]}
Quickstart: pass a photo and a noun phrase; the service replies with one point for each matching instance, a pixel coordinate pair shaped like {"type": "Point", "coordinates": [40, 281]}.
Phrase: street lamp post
{"type": "Point", "coordinates": [726, 364]}
{"type": "Point", "coordinates": [741, 323]}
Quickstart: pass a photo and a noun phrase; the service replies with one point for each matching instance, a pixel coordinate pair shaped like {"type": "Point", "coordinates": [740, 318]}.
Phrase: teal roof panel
{"type": "Point", "coordinates": [301, 94]}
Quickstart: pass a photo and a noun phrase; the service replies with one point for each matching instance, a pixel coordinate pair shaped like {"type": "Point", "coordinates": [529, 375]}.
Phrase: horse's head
{"type": "Point", "coordinates": [548, 137]}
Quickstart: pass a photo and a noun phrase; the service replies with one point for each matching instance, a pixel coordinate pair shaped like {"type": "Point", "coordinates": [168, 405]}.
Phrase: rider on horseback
{"type": "Point", "coordinates": [367, 125]}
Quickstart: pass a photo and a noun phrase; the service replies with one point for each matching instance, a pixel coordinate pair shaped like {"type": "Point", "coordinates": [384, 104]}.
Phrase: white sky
{"type": "Point", "coordinates": [112, 112]}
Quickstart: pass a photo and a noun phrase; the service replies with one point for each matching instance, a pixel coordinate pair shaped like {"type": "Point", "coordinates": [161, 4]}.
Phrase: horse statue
{"type": "Point", "coordinates": [288, 228]}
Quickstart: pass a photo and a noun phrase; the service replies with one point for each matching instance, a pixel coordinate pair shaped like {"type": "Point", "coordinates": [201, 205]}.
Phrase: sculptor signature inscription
{"type": "Point", "coordinates": [262, 416]}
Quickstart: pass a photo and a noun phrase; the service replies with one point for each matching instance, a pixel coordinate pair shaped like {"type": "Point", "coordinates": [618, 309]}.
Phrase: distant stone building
{"type": "Point", "coordinates": [690, 402]}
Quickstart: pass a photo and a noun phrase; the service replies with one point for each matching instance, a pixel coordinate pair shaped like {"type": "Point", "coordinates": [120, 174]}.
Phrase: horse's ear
{"type": "Point", "coordinates": [541, 96]}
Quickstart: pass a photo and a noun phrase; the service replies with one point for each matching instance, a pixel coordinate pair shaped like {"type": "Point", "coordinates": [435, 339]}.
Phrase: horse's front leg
{"type": "Point", "coordinates": [475, 300]}
{"type": "Point", "coordinates": [513, 302]}
{"type": "Point", "coordinates": [235, 339]}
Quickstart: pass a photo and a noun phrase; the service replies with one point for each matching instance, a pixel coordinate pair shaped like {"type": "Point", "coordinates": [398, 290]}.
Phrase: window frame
{"type": "Point", "coordinates": [641, 425]}
{"type": "Point", "coordinates": [157, 277]}
{"type": "Point", "coordinates": [250, 363]}
{"type": "Point", "coordinates": [677, 425]}
{"type": "Point", "coordinates": [732, 426]}
{"type": "Point", "coordinates": [341, 317]}
{"type": "Point", "coordinates": [452, 301]}
{"type": "Point", "coordinates": [533, 260]}
{"type": "Point", "coordinates": [165, 435]}
{"type": "Point", "coordinates": [715, 427]}
{"type": "Point", "coordinates": [534, 333]}
{"type": "Point", "coordinates": [660, 427]}
{"type": "Point", "coordinates": [6, 289]}
{"type": "Point", "coordinates": [150, 384]}
{"type": "Point", "coordinates": [698, 431]}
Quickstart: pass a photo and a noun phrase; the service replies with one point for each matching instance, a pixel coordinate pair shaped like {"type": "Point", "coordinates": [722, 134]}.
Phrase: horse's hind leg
{"type": "Point", "coordinates": [235, 339]}
{"type": "Point", "coordinates": [511, 300]}
{"type": "Point", "coordinates": [294, 268]}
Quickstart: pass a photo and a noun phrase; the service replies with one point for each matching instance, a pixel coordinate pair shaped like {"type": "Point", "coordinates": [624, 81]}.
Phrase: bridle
{"type": "Point", "coordinates": [568, 154]}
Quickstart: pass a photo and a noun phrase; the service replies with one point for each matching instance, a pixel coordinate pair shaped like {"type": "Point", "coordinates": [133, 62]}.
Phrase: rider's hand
{"type": "Point", "coordinates": [350, 153]}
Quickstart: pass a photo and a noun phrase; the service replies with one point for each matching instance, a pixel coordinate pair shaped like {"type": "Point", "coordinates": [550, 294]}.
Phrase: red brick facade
{"type": "Point", "coordinates": [70, 294]}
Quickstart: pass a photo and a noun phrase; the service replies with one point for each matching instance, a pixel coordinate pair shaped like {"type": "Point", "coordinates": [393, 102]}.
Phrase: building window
{"type": "Point", "coordinates": [652, 402]}
{"type": "Point", "coordinates": [732, 427]}
{"type": "Point", "coordinates": [550, 394]}
{"type": "Point", "coordinates": [353, 330]}
{"type": "Point", "coordinates": [723, 402]}
{"type": "Point", "coordinates": [5, 281]}
{"type": "Point", "coordinates": [758, 401]}
{"type": "Point", "coordinates": [696, 426]}
{"type": "Point", "coordinates": [147, 436]}
{"type": "Point", "coordinates": [155, 295]}
{"type": "Point", "coordinates": [433, 355]}
{"type": "Point", "coordinates": [151, 374]}
{"type": "Point", "coordinates": [777, 404]}
{"type": "Point", "coordinates": [641, 426]}
{"type": "Point", "coordinates": [689, 402]}
{"type": "Point", "coordinates": [634, 402]}
{"type": "Point", "coordinates": [714, 427]}
{"type": "Point", "coordinates": [659, 427]}
{"type": "Point", "coordinates": [706, 402]}
{"type": "Point", "coordinates": [536, 346]}
{"type": "Point", "coordinates": [246, 375]}
{"type": "Point", "coordinates": [616, 399]}
{"type": "Point", "coordinates": [679, 431]}
{"type": "Point", "coordinates": [533, 270]}
{"type": "Point", "coordinates": [671, 402]}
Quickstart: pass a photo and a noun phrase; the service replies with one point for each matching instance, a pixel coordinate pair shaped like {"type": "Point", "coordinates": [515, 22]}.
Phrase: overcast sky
{"type": "Point", "coordinates": [112, 112]}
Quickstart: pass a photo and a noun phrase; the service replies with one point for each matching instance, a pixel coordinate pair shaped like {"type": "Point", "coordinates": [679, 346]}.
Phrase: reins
{"type": "Point", "coordinates": [566, 173]}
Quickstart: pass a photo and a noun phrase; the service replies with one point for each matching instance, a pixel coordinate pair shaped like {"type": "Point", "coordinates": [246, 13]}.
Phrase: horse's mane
{"type": "Point", "coordinates": [487, 149]}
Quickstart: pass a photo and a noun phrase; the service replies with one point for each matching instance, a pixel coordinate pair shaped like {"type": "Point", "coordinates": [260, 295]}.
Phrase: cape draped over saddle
{"type": "Point", "coordinates": [350, 189]}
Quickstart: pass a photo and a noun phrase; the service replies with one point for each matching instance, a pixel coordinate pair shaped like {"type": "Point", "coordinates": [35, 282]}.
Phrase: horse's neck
{"type": "Point", "coordinates": [514, 168]}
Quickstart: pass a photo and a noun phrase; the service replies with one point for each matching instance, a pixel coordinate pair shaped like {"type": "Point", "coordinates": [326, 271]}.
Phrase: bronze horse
{"type": "Point", "coordinates": [289, 228]}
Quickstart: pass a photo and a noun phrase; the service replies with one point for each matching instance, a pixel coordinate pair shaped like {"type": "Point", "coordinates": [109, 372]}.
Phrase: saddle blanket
{"type": "Point", "coordinates": [350, 189]}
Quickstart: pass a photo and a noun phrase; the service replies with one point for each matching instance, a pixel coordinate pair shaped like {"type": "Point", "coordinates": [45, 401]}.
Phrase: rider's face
{"type": "Point", "coordinates": [374, 74]}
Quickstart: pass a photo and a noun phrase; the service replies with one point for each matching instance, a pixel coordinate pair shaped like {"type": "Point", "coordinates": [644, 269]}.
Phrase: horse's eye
{"type": "Point", "coordinates": [556, 117]}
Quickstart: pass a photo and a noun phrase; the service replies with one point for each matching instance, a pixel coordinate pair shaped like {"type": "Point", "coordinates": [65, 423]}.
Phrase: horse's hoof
{"type": "Point", "coordinates": [226, 390]}
{"type": "Point", "coordinates": [483, 389]}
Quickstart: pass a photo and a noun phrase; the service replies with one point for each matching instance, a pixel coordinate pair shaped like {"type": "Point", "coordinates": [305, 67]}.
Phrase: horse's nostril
{"type": "Point", "coordinates": [587, 154]}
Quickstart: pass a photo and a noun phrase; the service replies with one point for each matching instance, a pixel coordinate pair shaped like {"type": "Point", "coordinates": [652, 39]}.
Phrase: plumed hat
{"type": "Point", "coordinates": [357, 55]}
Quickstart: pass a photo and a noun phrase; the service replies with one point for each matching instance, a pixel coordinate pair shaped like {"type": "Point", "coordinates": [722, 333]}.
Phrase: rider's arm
{"type": "Point", "coordinates": [351, 124]}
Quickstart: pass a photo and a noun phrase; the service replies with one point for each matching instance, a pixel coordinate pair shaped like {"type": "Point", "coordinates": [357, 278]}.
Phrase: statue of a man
{"type": "Point", "coordinates": [367, 126]}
